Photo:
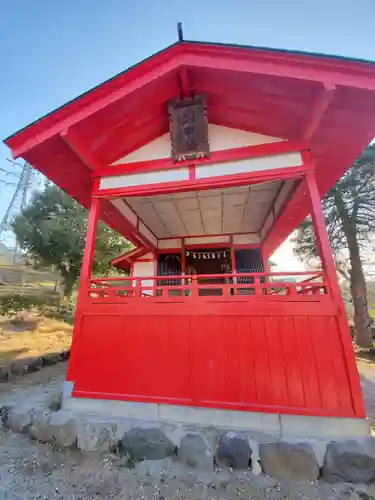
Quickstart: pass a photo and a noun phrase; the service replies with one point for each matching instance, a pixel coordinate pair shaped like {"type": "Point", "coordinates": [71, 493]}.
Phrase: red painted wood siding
{"type": "Point", "coordinates": [276, 363]}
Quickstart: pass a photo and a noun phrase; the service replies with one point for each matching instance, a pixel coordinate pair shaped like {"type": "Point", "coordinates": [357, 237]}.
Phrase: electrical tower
{"type": "Point", "coordinates": [22, 178]}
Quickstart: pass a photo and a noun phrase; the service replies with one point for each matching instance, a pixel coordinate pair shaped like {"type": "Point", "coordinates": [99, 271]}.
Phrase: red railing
{"type": "Point", "coordinates": [224, 287]}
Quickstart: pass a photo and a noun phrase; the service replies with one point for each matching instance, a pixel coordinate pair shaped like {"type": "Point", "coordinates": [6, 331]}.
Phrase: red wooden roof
{"type": "Point", "coordinates": [326, 100]}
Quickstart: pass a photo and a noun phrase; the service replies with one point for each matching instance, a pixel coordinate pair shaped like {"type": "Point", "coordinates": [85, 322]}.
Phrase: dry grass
{"type": "Point", "coordinates": [48, 336]}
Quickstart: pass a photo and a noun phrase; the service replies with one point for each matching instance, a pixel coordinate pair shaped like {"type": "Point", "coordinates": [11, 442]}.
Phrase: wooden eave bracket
{"type": "Point", "coordinates": [319, 110]}
{"type": "Point", "coordinates": [75, 143]}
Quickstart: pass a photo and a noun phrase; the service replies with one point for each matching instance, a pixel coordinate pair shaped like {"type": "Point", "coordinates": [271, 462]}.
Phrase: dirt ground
{"type": "Point", "coordinates": [366, 369]}
{"type": "Point", "coordinates": [30, 336]}
{"type": "Point", "coordinates": [35, 471]}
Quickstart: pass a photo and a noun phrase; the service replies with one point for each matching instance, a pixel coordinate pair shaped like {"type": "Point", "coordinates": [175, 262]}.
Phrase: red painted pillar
{"type": "Point", "coordinates": [88, 255]}
{"type": "Point", "coordinates": [329, 269]}
{"type": "Point", "coordinates": [321, 234]}
{"type": "Point", "coordinates": [85, 276]}
{"type": "Point", "coordinates": [264, 260]}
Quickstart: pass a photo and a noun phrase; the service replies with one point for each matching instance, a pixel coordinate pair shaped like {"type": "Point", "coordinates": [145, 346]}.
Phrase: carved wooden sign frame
{"type": "Point", "coordinates": [188, 128]}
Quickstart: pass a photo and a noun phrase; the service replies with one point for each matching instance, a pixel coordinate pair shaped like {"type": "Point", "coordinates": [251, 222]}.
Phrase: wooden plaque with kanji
{"type": "Point", "coordinates": [188, 128]}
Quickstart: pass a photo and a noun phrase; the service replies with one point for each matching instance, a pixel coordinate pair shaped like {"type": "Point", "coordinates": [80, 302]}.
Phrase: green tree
{"type": "Point", "coordinates": [349, 210]}
{"type": "Point", "coordinates": [52, 230]}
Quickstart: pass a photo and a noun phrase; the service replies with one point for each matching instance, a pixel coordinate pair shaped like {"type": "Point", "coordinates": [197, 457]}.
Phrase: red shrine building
{"type": "Point", "coordinates": [206, 157]}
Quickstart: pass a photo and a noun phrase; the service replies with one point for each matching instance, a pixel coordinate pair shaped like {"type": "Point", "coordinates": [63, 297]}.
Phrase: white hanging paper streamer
{"type": "Point", "coordinates": [207, 255]}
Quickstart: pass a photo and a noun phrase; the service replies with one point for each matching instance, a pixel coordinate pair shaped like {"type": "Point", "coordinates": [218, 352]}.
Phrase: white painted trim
{"type": "Point", "coordinates": [262, 163]}
{"type": "Point", "coordinates": [244, 239]}
{"type": "Point", "coordinates": [171, 243]}
{"type": "Point", "coordinates": [147, 233]}
{"type": "Point", "coordinates": [197, 240]}
{"type": "Point", "coordinates": [126, 211]}
{"type": "Point", "coordinates": [157, 177]}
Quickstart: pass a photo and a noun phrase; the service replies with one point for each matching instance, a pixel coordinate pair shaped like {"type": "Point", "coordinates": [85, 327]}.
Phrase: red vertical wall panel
{"type": "Point", "coordinates": [245, 358]}
{"type": "Point", "coordinates": [292, 361]}
{"type": "Point", "coordinates": [308, 368]}
{"type": "Point", "coordinates": [323, 358]}
{"type": "Point", "coordinates": [275, 363]}
{"type": "Point", "coordinates": [260, 358]}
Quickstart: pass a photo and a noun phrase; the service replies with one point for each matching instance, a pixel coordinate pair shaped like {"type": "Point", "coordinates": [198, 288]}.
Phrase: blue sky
{"type": "Point", "coordinates": [51, 50]}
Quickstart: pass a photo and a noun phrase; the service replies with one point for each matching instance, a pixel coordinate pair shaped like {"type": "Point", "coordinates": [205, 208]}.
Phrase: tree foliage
{"type": "Point", "coordinates": [349, 210]}
{"type": "Point", "coordinates": [52, 230]}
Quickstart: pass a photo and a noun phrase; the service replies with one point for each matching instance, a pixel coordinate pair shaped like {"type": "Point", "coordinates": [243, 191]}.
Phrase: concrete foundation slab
{"type": "Point", "coordinates": [323, 427]}
{"type": "Point", "coordinates": [266, 426]}
{"type": "Point", "coordinates": [255, 421]}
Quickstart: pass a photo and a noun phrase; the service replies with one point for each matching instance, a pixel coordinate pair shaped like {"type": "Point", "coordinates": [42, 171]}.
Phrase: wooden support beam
{"type": "Point", "coordinates": [319, 110]}
{"type": "Point", "coordinates": [88, 255]}
{"type": "Point", "coordinates": [84, 282]}
{"type": "Point", "coordinates": [220, 182]}
{"type": "Point", "coordinates": [329, 267]}
{"type": "Point", "coordinates": [184, 82]}
{"type": "Point", "coordinates": [234, 154]}
{"type": "Point", "coordinates": [76, 144]}
{"type": "Point", "coordinates": [321, 234]}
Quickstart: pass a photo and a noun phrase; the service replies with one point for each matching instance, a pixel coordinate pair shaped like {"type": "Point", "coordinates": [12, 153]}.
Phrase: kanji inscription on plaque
{"type": "Point", "coordinates": [188, 128]}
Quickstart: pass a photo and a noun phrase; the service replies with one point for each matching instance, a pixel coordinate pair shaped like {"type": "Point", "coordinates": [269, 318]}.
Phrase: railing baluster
{"type": "Point", "coordinates": [138, 289]}
{"type": "Point", "coordinates": [256, 285]}
{"type": "Point", "coordinates": [223, 287]}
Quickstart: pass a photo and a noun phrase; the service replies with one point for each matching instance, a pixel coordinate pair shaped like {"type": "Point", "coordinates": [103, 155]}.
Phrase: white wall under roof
{"type": "Point", "coordinates": [145, 269]}
{"type": "Point", "coordinates": [220, 138]}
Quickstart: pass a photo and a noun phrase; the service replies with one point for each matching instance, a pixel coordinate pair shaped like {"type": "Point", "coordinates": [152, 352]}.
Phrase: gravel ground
{"type": "Point", "coordinates": [31, 470]}
{"type": "Point", "coordinates": [366, 369]}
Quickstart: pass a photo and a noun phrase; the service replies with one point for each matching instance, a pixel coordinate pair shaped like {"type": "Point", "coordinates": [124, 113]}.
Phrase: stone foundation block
{"type": "Point", "coordinates": [40, 428]}
{"type": "Point", "coordinates": [290, 461]}
{"type": "Point", "coordinates": [350, 461]}
{"type": "Point", "coordinates": [18, 419]}
{"type": "Point", "coordinates": [234, 451]}
{"type": "Point", "coordinates": [95, 436]}
{"type": "Point", "coordinates": [62, 429]}
{"type": "Point", "coordinates": [147, 444]}
{"type": "Point", "coordinates": [195, 451]}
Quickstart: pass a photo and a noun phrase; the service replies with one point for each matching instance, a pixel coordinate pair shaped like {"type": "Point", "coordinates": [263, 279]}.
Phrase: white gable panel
{"type": "Point", "coordinates": [220, 138]}
{"type": "Point", "coordinates": [154, 150]}
{"type": "Point", "coordinates": [227, 138]}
